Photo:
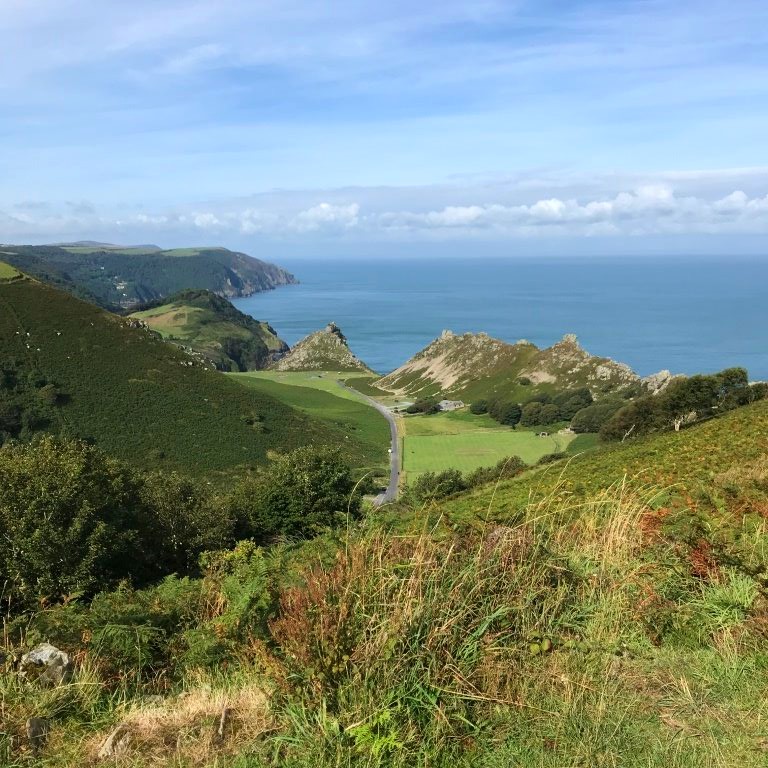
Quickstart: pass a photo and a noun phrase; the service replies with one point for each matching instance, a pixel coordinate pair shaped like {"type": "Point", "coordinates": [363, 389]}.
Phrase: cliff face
{"type": "Point", "coordinates": [116, 277]}
{"type": "Point", "coordinates": [325, 350]}
{"type": "Point", "coordinates": [475, 363]}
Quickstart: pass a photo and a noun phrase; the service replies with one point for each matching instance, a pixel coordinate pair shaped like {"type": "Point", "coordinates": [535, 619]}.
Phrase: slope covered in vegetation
{"type": "Point", "coordinates": [210, 325]}
{"type": "Point", "coordinates": [124, 277]}
{"type": "Point", "coordinates": [589, 631]}
{"type": "Point", "coordinates": [476, 366]}
{"type": "Point", "coordinates": [71, 368]}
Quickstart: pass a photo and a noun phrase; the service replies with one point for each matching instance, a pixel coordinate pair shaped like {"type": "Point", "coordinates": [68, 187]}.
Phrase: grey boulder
{"type": "Point", "coordinates": [46, 664]}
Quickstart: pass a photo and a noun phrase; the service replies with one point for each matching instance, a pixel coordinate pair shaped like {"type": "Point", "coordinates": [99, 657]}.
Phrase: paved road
{"type": "Point", "coordinates": [394, 457]}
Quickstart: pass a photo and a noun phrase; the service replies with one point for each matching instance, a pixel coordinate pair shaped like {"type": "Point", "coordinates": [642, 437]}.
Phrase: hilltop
{"type": "Point", "coordinates": [475, 365]}
{"type": "Point", "coordinates": [71, 368]}
{"type": "Point", "coordinates": [127, 276]}
{"type": "Point", "coordinates": [209, 325]}
{"type": "Point", "coordinates": [325, 350]}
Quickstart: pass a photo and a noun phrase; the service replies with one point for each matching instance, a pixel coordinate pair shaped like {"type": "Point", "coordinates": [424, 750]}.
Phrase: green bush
{"type": "Point", "coordinates": [479, 407]}
{"type": "Point", "coordinates": [70, 519]}
{"type": "Point", "coordinates": [298, 495]}
{"type": "Point", "coordinates": [505, 413]}
{"type": "Point", "coordinates": [438, 485]}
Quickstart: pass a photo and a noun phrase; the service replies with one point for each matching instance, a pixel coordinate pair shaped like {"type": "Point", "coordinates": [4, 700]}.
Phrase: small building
{"type": "Point", "coordinates": [450, 405]}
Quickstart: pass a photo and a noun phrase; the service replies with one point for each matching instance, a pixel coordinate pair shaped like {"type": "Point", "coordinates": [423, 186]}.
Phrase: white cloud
{"type": "Point", "coordinates": [492, 212]}
{"type": "Point", "coordinates": [326, 215]}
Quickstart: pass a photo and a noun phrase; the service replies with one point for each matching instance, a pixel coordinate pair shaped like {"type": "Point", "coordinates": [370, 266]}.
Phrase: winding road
{"type": "Point", "coordinates": [390, 494]}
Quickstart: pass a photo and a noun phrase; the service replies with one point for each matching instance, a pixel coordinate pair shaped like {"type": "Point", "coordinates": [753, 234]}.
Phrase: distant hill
{"type": "Point", "coordinates": [475, 366]}
{"type": "Point", "coordinates": [325, 350]}
{"type": "Point", "coordinates": [211, 326]}
{"type": "Point", "coordinates": [95, 244]}
{"type": "Point", "coordinates": [70, 368]}
{"type": "Point", "coordinates": [127, 276]}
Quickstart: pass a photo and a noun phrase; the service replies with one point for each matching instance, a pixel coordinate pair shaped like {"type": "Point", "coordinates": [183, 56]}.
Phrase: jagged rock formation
{"type": "Point", "coordinates": [658, 382]}
{"type": "Point", "coordinates": [325, 350]}
{"type": "Point", "coordinates": [453, 364]}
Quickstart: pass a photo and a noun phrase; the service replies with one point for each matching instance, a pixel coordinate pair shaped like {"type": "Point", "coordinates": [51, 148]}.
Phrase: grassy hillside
{"type": "Point", "coordinates": [126, 277]}
{"type": "Point", "coordinates": [683, 464]}
{"type": "Point", "coordinates": [323, 399]}
{"type": "Point", "coordinates": [7, 272]}
{"type": "Point", "coordinates": [598, 631]}
{"type": "Point", "coordinates": [210, 325]}
{"type": "Point", "coordinates": [137, 396]}
{"type": "Point", "coordinates": [476, 366]}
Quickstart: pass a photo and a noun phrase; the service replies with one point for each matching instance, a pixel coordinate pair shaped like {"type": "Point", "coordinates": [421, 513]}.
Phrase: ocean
{"type": "Point", "coordinates": [686, 315]}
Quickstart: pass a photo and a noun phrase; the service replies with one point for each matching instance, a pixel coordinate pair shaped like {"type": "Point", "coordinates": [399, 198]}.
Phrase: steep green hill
{"type": "Point", "coordinates": [70, 367]}
{"type": "Point", "coordinates": [127, 276]}
{"type": "Point", "coordinates": [325, 350]}
{"type": "Point", "coordinates": [356, 419]}
{"type": "Point", "coordinates": [211, 326]}
{"type": "Point", "coordinates": [477, 366]}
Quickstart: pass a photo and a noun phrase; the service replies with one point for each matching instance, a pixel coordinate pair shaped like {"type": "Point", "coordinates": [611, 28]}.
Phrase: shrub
{"type": "Point", "coordinates": [299, 494]}
{"type": "Point", "coordinates": [70, 518]}
{"type": "Point", "coordinates": [185, 520]}
{"type": "Point", "coordinates": [479, 407]}
{"type": "Point", "coordinates": [503, 470]}
{"type": "Point", "coordinates": [592, 418]}
{"type": "Point", "coordinates": [438, 485]}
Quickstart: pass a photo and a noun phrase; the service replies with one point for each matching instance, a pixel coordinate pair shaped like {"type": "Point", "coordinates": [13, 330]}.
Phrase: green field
{"type": "Point", "coordinates": [319, 396]}
{"type": "Point", "coordinates": [460, 440]}
{"type": "Point", "coordinates": [322, 380]}
{"type": "Point", "coordinates": [694, 458]}
{"type": "Point", "coordinates": [7, 272]}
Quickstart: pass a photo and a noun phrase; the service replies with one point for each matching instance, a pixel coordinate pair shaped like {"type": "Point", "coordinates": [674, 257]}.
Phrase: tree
{"type": "Point", "coordinates": [505, 413]}
{"type": "Point", "coordinates": [69, 516]}
{"type": "Point", "coordinates": [183, 520]}
{"type": "Point", "coordinates": [571, 401]}
{"type": "Point", "coordinates": [592, 418]}
{"type": "Point", "coordinates": [479, 407]}
{"type": "Point", "coordinates": [549, 414]}
{"type": "Point", "coordinates": [531, 414]}
{"type": "Point", "coordinates": [425, 405]}
{"type": "Point", "coordinates": [300, 494]}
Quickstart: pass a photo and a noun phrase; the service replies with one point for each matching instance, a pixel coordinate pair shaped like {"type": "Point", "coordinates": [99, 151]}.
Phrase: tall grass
{"type": "Point", "coordinates": [579, 634]}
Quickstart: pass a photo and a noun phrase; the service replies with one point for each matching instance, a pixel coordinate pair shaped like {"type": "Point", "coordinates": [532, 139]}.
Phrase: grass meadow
{"type": "Point", "coordinates": [460, 440]}
{"type": "Point", "coordinates": [319, 396]}
{"type": "Point", "coordinates": [7, 272]}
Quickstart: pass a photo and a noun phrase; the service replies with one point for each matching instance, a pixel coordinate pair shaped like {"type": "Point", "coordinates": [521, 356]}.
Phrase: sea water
{"type": "Point", "coordinates": [687, 315]}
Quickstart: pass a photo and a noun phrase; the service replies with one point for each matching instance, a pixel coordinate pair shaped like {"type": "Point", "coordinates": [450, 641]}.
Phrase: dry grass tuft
{"type": "Point", "coordinates": [195, 728]}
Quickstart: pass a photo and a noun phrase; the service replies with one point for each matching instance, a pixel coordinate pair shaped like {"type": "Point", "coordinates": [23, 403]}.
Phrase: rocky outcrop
{"type": "Point", "coordinates": [658, 382]}
{"type": "Point", "coordinates": [325, 350]}
{"type": "Point", "coordinates": [47, 665]}
{"type": "Point", "coordinates": [453, 363]}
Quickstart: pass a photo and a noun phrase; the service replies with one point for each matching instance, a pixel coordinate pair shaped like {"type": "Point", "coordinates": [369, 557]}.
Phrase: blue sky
{"type": "Point", "coordinates": [361, 127]}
